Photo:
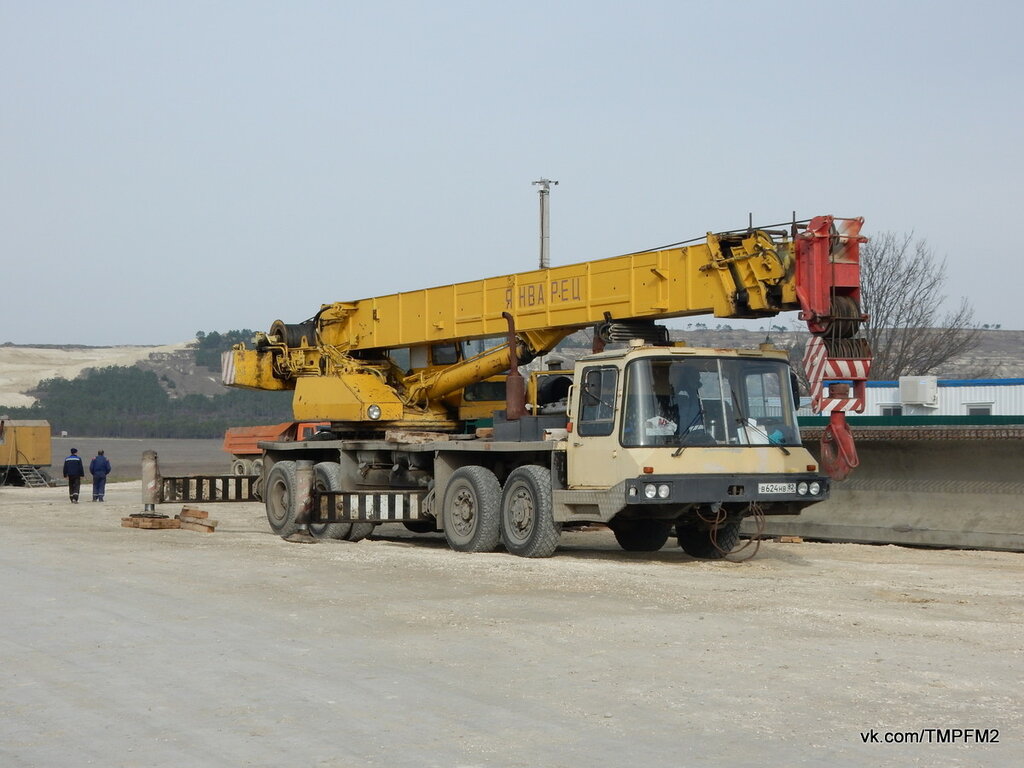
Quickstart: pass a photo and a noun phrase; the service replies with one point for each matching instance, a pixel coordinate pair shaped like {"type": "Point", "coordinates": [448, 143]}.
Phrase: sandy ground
{"type": "Point", "coordinates": [22, 368]}
{"type": "Point", "coordinates": [167, 648]}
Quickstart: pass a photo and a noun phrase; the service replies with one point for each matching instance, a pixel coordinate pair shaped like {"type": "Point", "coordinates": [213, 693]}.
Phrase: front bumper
{"type": "Point", "coordinates": [739, 489]}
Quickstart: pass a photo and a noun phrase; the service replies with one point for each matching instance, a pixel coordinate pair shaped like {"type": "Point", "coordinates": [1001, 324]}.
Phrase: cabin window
{"type": "Point", "coordinates": [597, 402]}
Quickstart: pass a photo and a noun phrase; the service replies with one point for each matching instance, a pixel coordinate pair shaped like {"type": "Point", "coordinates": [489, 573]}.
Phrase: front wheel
{"type": "Point", "coordinates": [709, 543]}
{"type": "Point", "coordinates": [641, 535]}
{"type": "Point", "coordinates": [471, 510]}
{"type": "Point", "coordinates": [528, 527]}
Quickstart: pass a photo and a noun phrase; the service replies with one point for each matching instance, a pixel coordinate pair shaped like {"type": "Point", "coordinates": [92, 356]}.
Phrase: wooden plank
{"type": "Point", "coordinates": [150, 523]}
{"type": "Point", "coordinates": [194, 511]}
{"type": "Point", "coordinates": [789, 539]}
{"type": "Point", "coordinates": [198, 520]}
{"type": "Point", "coordinates": [195, 527]}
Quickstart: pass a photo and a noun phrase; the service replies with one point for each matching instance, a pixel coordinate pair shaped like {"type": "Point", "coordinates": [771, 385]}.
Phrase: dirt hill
{"type": "Point", "coordinates": [23, 367]}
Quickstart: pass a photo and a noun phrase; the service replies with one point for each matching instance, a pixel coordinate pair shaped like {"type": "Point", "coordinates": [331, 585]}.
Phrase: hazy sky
{"type": "Point", "coordinates": [168, 167]}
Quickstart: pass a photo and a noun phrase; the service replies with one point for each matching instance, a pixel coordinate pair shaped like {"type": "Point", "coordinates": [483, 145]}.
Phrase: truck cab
{"type": "Point", "coordinates": [681, 435]}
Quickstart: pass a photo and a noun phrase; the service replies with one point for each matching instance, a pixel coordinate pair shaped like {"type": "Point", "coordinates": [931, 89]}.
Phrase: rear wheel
{"type": "Point", "coordinates": [280, 499]}
{"type": "Point", "coordinates": [239, 467]}
{"type": "Point", "coordinates": [528, 527]}
{"type": "Point", "coordinates": [420, 526]}
{"type": "Point", "coordinates": [327, 477]}
{"type": "Point", "coordinates": [641, 535]}
{"type": "Point", "coordinates": [360, 531]}
{"type": "Point", "coordinates": [471, 510]}
{"type": "Point", "coordinates": [712, 543]}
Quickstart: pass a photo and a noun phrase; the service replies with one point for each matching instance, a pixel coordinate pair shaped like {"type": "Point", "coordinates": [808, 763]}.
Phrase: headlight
{"type": "Point", "coordinates": [664, 491]}
{"type": "Point", "coordinates": [801, 489]}
{"type": "Point", "coordinates": [373, 412]}
{"type": "Point", "coordinates": [815, 488]}
{"type": "Point", "coordinates": [650, 491]}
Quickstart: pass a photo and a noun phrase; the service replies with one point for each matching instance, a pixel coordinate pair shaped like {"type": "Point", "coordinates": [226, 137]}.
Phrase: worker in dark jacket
{"type": "Point", "coordinates": [74, 471]}
{"type": "Point", "coordinates": [99, 468]}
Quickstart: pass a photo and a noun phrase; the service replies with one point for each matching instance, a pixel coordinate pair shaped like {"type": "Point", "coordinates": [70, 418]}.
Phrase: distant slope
{"type": "Point", "coordinates": [23, 367]}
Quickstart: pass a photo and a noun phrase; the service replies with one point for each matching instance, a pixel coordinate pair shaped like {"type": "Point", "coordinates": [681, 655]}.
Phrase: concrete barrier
{"type": "Point", "coordinates": [934, 492]}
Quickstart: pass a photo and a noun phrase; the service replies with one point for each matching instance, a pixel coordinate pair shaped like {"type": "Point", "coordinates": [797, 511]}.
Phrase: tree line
{"type": "Point", "coordinates": [130, 402]}
{"type": "Point", "coordinates": [210, 345]}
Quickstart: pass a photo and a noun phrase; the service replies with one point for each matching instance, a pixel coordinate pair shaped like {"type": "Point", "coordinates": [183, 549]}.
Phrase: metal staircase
{"type": "Point", "coordinates": [33, 477]}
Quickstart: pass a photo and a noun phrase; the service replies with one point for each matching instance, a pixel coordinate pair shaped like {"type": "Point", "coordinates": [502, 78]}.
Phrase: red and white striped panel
{"type": "Point", "coordinates": [820, 367]}
{"type": "Point", "coordinates": [829, 404]}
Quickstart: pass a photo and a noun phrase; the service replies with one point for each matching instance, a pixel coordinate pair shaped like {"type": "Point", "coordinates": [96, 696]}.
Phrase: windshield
{"type": "Point", "coordinates": [708, 401]}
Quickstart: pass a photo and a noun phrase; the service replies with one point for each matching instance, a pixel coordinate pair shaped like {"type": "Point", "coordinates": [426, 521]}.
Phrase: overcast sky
{"type": "Point", "coordinates": [168, 167]}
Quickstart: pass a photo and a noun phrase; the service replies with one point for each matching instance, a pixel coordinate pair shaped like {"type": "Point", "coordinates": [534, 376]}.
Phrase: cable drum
{"type": "Point", "coordinates": [844, 322]}
{"type": "Point", "coordinates": [296, 334]}
{"type": "Point", "coordinates": [847, 348]}
{"type": "Point", "coordinates": [623, 332]}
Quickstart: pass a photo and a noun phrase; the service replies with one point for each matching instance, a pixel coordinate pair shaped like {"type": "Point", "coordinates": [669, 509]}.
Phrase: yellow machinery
{"type": "Point", "coordinates": [24, 451]}
{"type": "Point", "coordinates": [427, 360]}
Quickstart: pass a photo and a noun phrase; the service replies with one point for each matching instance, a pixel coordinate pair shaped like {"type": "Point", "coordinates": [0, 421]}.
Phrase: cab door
{"type": "Point", "coordinates": [594, 442]}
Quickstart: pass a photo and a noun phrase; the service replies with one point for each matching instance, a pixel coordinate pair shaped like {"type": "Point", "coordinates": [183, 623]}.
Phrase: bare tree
{"type": "Point", "coordinates": [901, 291]}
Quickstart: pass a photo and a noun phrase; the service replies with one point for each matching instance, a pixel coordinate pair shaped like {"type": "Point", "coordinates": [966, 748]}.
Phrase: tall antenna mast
{"type": "Point", "coordinates": [545, 192]}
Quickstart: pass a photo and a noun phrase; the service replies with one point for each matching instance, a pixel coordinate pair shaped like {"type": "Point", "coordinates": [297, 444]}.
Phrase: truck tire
{"type": "Point", "coordinates": [360, 531]}
{"type": "Point", "coordinates": [280, 499]}
{"type": "Point", "coordinates": [327, 477]}
{"type": "Point", "coordinates": [641, 535]}
{"type": "Point", "coordinates": [709, 544]}
{"type": "Point", "coordinates": [420, 526]}
{"type": "Point", "coordinates": [256, 468]}
{"type": "Point", "coordinates": [471, 510]}
{"type": "Point", "coordinates": [528, 527]}
{"type": "Point", "coordinates": [239, 468]}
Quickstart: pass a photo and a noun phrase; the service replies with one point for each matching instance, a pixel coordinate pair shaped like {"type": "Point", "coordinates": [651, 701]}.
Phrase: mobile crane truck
{"type": "Point", "coordinates": [649, 438]}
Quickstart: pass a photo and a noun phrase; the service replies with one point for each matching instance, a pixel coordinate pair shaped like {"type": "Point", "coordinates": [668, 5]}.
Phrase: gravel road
{"type": "Point", "coordinates": [141, 648]}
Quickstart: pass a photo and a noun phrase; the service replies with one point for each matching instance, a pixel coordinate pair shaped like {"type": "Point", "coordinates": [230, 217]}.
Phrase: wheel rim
{"type": "Point", "coordinates": [521, 513]}
{"type": "Point", "coordinates": [464, 512]}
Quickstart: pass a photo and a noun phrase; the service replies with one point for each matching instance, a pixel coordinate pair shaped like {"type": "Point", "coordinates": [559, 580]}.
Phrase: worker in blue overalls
{"type": "Point", "coordinates": [74, 471]}
{"type": "Point", "coordinates": [99, 468]}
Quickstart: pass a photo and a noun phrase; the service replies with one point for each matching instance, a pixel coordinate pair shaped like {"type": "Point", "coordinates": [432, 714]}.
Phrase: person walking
{"type": "Point", "coordinates": [99, 468]}
{"type": "Point", "coordinates": [74, 471]}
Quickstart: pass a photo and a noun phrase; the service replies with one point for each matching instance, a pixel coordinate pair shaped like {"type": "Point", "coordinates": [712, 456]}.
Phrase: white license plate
{"type": "Point", "coordinates": [776, 487]}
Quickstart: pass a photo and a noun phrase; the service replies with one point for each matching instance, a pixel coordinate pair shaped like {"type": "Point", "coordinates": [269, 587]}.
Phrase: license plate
{"type": "Point", "coordinates": [776, 487]}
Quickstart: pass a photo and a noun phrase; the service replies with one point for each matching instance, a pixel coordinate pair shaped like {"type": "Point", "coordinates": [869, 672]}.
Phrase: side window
{"type": "Point", "coordinates": [597, 402]}
{"type": "Point", "coordinates": [892, 410]}
{"type": "Point", "coordinates": [979, 409]}
{"type": "Point", "coordinates": [757, 396]}
{"type": "Point", "coordinates": [401, 357]}
{"type": "Point", "coordinates": [444, 354]}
